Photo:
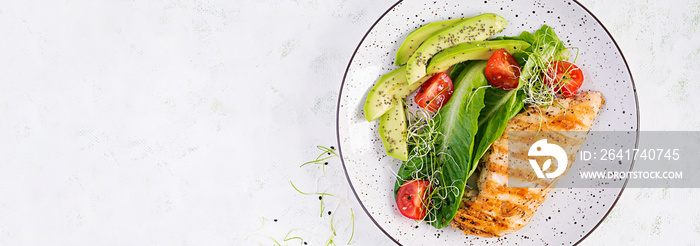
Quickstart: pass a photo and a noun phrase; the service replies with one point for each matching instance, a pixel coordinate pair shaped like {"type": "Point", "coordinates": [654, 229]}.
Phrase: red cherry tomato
{"type": "Point", "coordinates": [435, 92]}
{"type": "Point", "coordinates": [502, 70]}
{"type": "Point", "coordinates": [412, 199]}
{"type": "Point", "coordinates": [565, 77]}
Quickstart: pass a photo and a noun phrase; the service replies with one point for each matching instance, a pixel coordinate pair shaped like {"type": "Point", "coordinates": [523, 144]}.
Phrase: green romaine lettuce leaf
{"type": "Point", "coordinates": [503, 105]}
{"type": "Point", "coordinates": [448, 165]}
{"type": "Point", "coordinates": [458, 121]}
{"type": "Point", "coordinates": [457, 70]}
{"type": "Point", "coordinates": [500, 107]}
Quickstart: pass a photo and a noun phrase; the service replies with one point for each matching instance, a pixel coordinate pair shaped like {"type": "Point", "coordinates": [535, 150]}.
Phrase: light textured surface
{"type": "Point", "coordinates": [182, 122]}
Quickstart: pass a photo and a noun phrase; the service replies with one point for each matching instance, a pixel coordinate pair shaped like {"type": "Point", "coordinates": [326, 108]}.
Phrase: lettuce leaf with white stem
{"type": "Point", "coordinates": [500, 107]}
{"type": "Point", "coordinates": [442, 150]}
{"type": "Point", "coordinates": [458, 121]}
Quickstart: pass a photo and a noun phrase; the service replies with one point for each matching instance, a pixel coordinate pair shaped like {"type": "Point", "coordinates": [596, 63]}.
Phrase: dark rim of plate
{"type": "Point", "coordinates": [340, 95]}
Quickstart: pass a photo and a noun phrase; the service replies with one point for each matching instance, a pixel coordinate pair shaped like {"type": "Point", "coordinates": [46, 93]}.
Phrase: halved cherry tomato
{"type": "Point", "coordinates": [565, 77]}
{"type": "Point", "coordinates": [435, 92]}
{"type": "Point", "coordinates": [412, 199]}
{"type": "Point", "coordinates": [502, 70]}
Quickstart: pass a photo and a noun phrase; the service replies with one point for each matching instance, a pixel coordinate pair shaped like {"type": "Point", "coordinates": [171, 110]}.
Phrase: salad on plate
{"type": "Point", "coordinates": [447, 108]}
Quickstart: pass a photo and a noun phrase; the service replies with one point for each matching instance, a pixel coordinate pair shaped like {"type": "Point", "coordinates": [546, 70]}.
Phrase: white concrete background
{"type": "Point", "coordinates": [183, 122]}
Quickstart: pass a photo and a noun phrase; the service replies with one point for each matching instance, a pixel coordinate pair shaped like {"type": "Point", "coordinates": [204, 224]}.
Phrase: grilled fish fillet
{"type": "Point", "coordinates": [499, 209]}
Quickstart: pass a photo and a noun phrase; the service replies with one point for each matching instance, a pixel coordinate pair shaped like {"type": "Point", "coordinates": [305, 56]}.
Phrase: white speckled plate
{"type": "Point", "coordinates": [568, 215]}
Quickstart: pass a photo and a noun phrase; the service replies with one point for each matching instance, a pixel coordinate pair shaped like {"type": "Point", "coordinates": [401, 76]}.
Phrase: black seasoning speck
{"type": "Point", "coordinates": [320, 198]}
{"type": "Point", "coordinates": [326, 163]}
{"type": "Point", "coordinates": [275, 220]}
{"type": "Point", "coordinates": [305, 243]}
{"type": "Point", "coordinates": [331, 148]}
{"type": "Point", "coordinates": [329, 212]}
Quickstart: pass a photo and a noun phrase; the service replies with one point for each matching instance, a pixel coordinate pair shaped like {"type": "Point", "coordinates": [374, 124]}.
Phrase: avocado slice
{"type": "Point", "coordinates": [416, 37]}
{"type": "Point", "coordinates": [477, 28]}
{"type": "Point", "coordinates": [381, 97]}
{"type": "Point", "coordinates": [479, 50]}
{"type": "Point", "coordinates": [392, 130]}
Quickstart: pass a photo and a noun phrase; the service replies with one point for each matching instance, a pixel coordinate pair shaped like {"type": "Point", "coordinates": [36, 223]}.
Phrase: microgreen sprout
{"type": "Point", "coordinates": [263, 222]}
{"type": "Point", "coordinates": [277, 243]}
{"type": "Point", "coordinates": [423, 134]}
{"type": "Point", "coordinates": [320, 159]}
{"type": "Point", "coordinates": [322, 194]}
{"type": "Point", "coordinates": [315, 193]}
{"type": "Point", "coordinates": [333, 228]}
{"type": "Point", "coordinates": [330, 241]}
{"type": "Point", "coordinates": [352, 218]}
{"type": "Point", "coordinates": [287, 238]}
{"type": "Point", "coordinates": [535, 78]}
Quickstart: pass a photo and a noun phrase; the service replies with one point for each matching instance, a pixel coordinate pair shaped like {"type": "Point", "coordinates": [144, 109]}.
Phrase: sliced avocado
{"type": "Point", "coordinates": [402, 90]}
{"type": "Point", "coordinates": [381, 97]}
{"type": "Point", "coordinates": [392, 130]}
{"type": "Point", "coordinates": [479, 50]}
{"type": "Point", "coordinates": [477, 28]}
{"type": "Point", "coordinates": [416, 37]}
